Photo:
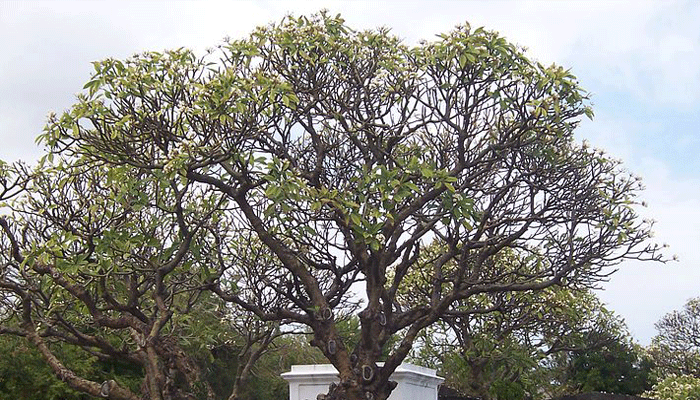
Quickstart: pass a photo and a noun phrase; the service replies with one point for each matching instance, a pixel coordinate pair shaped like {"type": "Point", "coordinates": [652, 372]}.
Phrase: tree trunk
{"type": "Point", "coordinates": [352, 390]}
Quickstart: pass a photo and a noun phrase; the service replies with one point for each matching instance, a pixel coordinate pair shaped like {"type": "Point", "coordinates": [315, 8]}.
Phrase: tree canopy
{"type": "Point", "coordinates": [538, 345]}
{"type": "Point", "coordinates": [296, 172]}
{"type": "Point", "coordinates": [676, 347]}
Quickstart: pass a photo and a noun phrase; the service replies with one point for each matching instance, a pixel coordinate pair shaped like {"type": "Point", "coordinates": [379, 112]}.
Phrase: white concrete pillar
{"type": "Point", "coordinates": [414, 382]}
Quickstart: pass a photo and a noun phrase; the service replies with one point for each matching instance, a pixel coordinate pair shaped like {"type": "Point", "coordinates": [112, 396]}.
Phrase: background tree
{"type": "Point", "coordinates": [620, 366]}
{"type": "Point", "coordinates": [676, 347]}
{"type": "Point", "coordinates": [518, 351]}
{"type": "Point", "coordinates": [24, 373]}
{"type": "Point", "coordinates": [221, 347]}
{"type": "Point", "coordinates": [263, 381]}
{"type": "Point", "coordinates": [284, 169]}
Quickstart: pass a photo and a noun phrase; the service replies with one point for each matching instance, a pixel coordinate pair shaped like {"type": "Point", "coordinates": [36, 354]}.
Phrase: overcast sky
{"type": "Point", "coordinates": [640, 60]}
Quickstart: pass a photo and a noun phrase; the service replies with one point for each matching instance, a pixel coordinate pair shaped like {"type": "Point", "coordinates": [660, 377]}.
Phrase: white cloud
{"type": "Point", "coordinates": [649, 49]}
{"type": "Point", "coordinates": [643, 292]}
{"type": "Point", "coordinates": [652, 53]}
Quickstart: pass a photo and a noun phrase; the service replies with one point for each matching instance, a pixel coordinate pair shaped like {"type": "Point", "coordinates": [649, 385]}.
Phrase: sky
{"type": "Point", "coordinates": [639, 60]}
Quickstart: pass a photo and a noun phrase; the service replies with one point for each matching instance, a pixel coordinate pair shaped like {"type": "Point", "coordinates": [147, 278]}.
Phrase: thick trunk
{"type": "Point", "coordinates": [365, 380]}
{"type": "Point", "coordinates": [356, 389]}
{"type": "Point", "coordinates": [171, 374]}
{"type": "Point", "coordinates": [478, 384]}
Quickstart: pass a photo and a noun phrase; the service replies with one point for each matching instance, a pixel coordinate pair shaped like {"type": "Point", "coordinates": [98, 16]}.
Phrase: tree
{"type": "Point", "coordinates": [85, 265]}
{"type": "Point", "coordinates": [676, 347]}
{"type": "Point", "coordinates": [283, 171]}
{"type": "Point", "coordinates": [25, 375]}
{"type": "Point", "coordinates": [674, 387]}
{"type": "Point", "coordinates": [524, 349]}
{"type": "Point", "coordinates": [620, 367]}
{"type": "Point", "coordinates": [263, 381]}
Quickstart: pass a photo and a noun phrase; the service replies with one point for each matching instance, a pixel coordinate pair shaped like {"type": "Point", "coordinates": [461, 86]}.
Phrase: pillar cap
{"type": "Point", "coordinates": [322, 372]}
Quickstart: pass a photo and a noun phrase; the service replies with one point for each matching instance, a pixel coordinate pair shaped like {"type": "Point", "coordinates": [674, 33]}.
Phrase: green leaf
{"type": "Point", "coordinates": [355, 218]}
{"type": "Point", "coordinates": [462, 60]}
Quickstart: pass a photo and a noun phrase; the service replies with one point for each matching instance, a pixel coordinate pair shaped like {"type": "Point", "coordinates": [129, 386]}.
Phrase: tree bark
{"type": "Point", "coordinates": [109, 389]}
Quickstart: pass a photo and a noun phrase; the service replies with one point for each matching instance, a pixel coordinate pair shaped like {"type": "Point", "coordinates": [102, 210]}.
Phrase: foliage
{"type": "Point", "coordinates": [619, 367]}
{"type": "Point", "coordinates": [676, 387]}
{"type": "Point", "coordinates": [24, 373]}
{"type": "Point", "coordinates": [519, 351]}
{"type": "Point", "coordinates": [285, 170]}
{"type": "Point", "coordinates": [265, 382]}
{"type": "Point", "coordinates": [676, 347]}
{"type": "Point", "coordinates": [93, 270]}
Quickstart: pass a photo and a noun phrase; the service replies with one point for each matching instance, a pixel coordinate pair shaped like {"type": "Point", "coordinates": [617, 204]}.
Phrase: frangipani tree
{"type": "Point", "coordinates": [286, 170]}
